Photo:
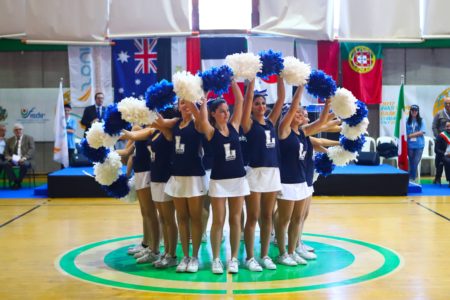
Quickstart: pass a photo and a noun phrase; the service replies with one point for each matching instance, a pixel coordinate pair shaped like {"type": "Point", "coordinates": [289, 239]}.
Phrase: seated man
{"type": "Point", "coordinates": [19, 151]}
{"type": "Point", "coordinates": [442, 149]}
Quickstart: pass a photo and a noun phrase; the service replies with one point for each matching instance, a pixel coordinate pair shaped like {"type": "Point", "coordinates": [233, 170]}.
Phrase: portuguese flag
{"type": "Point", "coordinates": [400, 131]}
{"type": "Point", "coordinates": [362, 68]}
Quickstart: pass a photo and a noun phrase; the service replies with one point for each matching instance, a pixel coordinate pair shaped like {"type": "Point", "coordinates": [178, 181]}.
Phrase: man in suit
{"type": "Point", "coordinates": [19, 152]}
{"type": "Point", "coordinates": [94, 112]}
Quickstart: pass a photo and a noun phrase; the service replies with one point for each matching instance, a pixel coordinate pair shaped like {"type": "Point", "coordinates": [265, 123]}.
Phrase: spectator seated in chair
{"type": "Point", "coordinates": [19, 151]}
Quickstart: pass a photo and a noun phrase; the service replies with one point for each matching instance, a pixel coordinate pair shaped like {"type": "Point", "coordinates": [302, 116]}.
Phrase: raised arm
{"type": "Point", "coordinates": [167, 123]}
{"type": "Point", "coordinates": [285, 125]}
{"type": "Point", "coordinates": [138, 135]}
{"type": "Point", "coordinates": [281, 95]}
{"type": "Point", "coordinates": [246, 120]}
{"type": "Point", "coordinates": [201, 119]}
{"type": "Point", "coordinates": [323, 142]}
{"type": "Point", "coordinates": [237, 112]}
{"type": "Point", "coordinates": [332, 126]}
{"type": "Point", "coordinates": [314, 127]}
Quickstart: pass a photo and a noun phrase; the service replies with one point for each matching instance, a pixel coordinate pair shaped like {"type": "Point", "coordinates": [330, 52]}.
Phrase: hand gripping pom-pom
{"type": "Point", "coordinates": [244, 65]}
{"type": "Point", "coordinates": [295, 72]}
{"type": "Point", "coordinates": [272, 63]}
{"type": "Point", "coordinates": [323, 164]}
{"type": "Point", "coordinates": [217, 79]}
{"type": "Point", "coordinates": [160, 96]}
{"type": "Point", "coordinates": [320, 85]}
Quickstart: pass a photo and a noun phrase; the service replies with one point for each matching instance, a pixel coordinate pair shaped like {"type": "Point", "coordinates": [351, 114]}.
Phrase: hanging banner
{"type": "Point", "coordinates": [90, 72]}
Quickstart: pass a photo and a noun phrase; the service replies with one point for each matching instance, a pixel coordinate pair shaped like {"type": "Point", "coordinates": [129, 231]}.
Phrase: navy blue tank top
{"type": "Point", "coordinates": [244, 146]}
{"type": "Point", "coordinates": [293, 158]}
{"type": "Point", "coordinates": [208, 155]}
{"type": "Point", "coordinates": [309, 162]}
{"type": "Point", "coordinates": [141, 160]}
{"type": "Point", "coordinates": [186, 151]}
{"type": "Point", "coordinates": [160, 157]}
{"type": "Point", "coordinates": [262, 145]}
{"type": "Point", "coordinates": [227, 161]}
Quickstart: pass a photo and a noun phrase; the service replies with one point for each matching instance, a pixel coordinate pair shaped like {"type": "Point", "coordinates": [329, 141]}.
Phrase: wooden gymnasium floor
{"type": "Point", "coordinates": [368, 248]}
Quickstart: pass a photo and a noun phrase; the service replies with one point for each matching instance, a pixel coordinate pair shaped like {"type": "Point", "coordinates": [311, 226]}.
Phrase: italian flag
{"type": "Point", "coordinates": [400, 132]}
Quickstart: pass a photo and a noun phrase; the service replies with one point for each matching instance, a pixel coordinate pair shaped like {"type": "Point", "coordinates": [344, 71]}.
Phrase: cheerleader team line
{"type": "Point", "coordinates": [201, 158]}
{"type": "Point", "coordinates": [207, 157]}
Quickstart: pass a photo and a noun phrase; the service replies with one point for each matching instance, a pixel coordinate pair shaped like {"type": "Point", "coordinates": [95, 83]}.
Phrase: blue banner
{"type": "Point", "coordinates": [135, 67]}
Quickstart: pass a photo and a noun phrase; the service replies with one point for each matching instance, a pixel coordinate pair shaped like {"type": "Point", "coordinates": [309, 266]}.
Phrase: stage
{"type": "Point", "coordinates": [352, 180]}
{"type": "Point", "coordinates": [357, 180]}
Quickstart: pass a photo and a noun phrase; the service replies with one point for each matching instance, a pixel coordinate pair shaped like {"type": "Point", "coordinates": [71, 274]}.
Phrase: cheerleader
{"type": "Point", "coordinates": [227, 174]}
{"type": "Point", "coordinates": [294, 147]}
{"type": "Point", "coordinates": [187, 184]}
{"type": "Point", "coordinates": [148, 251]}
{"type": "Point", "coordinates": [263, 173]}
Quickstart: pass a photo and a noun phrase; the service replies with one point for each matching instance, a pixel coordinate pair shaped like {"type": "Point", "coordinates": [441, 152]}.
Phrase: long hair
{"type": "Point", "coordinates": [418, 118]}
{"type": "Point", "coordinates": [212, 107]}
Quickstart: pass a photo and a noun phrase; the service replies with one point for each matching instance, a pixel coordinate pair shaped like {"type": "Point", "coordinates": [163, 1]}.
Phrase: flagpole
{"type": "Point", "coordinates": [402, 79]}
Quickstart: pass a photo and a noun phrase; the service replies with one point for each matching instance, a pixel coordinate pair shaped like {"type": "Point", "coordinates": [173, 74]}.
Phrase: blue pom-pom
{"type": "Point", "coordinates": [118, 188]}
{"type": "Point", "coordinates": [323, 164]}
{"type": "Point", "coordinates": [92, 154]}
{"type": "Point", "coordinates": [217, 79]}
{"type": "Point", "coordinates": [361, 113]}
{"type": "Point", "coordinates": [160, 96]}
{"type": "Point", "coordinates": [272, 63]}
{"type": "Point", "coordinates": [352, 145]}
{"type": "Point", "coordinates": [113, 121]}
{"type": "Point", "coordinates": [320, 85]}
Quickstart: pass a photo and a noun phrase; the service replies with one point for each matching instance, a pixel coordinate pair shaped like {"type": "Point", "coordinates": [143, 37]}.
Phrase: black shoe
{"type": "Point", "coordinates": [437, 181]}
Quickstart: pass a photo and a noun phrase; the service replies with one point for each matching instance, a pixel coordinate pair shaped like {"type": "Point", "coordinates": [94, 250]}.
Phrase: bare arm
{"type": "Point", "coordinates": [323, 142]}
{"type": "Point", "coordinates": [167, 123]}
{"type": "Point", "coordinates": [281, 95]}
{"type": "Point", "coordinates": [314, 127]}
{"type": "Point", "coordinates": [201, 119]}
{"type": "Point", "coordinates": [246, 121]}
{"type": "Point", "coordinates": [237, 113]}
{"type": "Point", "coordinates": [139, 135]}
{"type": "Point", "coordinates": [285, 125]}
{"type": "Point", "coordinates": [128, 150]}
{"type": "Point", "coordinates": [332, 126]}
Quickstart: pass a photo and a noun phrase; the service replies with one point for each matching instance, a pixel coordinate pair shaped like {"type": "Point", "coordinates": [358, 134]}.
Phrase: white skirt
{"type": "Point", "coordinates": [294, 191]}
{"type": "Point", "coordinates": [310, 190]}
{"type": "Point", "coordinates": [141, 180]}
{"type": "Point", "coordinates": [185, 186]}
{"type": "Point", "coordinates": [233, 187]}
{"type": "Point", "coordinates": [158, 194]}
{"type": "Point", "coordinates": [264, 180]}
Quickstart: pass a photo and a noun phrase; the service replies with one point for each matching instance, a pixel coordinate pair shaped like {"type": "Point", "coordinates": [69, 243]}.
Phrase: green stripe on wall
{"type": "Point", "coordinates": [9, 45]}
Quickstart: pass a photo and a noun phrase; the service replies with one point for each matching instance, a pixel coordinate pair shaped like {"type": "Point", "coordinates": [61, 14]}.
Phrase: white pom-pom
{"type": "Point", "coordinates": [135, 111]}
{"type": "Point", "coordinates": [244, 65]}
{"type": "Point", "coordinates": [110, 140]}
{"type": "Point", "coordinates": [131, 197]}
{"type": "Point", "coordinates": [95, 135]}
{"type": "Point", "coordinates": [340, 156]}
{"type": "Point", "coordinates": [343, 104]}
{"type": "Point", "coordinates": [187, 86]}
{"type": "Point", "coordinates": [354, 132]}
{"type": "Point", "coordinates": [108, 172]}
{"type": "Point", "coordinates": [295, 72]}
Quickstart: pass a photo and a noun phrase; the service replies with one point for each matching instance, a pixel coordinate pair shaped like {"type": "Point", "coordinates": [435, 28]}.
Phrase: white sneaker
{"type": "Point", "coordinates": [267, 263]}
{"type": "Point", "coordinates": [217, 267]}
{"type": "Point", "coordinates": [192, 266]}
{"type": "Point", "coordinates": [286, 260]}
{"type": "Point", "coordinates": [305, 254]}
{"type": "Point", "coordinates": [166, 262]}
{"type": "Point", "coordinates": [141, 253]}
{"type": "Point", "coordinates": [182, 266]}
{"type": "Point", "coordinates": [307, 248]}
{"type": "Point", "coordinates": [135, 249]}
{"type": "Point", "coordinates": [253, 265]}
{"type": "Point", "coordinates": [148, 258]}
{"type": "Point", "coordinates": [233, 265]}
{"type": "Point", "coordinates": [298, 259]}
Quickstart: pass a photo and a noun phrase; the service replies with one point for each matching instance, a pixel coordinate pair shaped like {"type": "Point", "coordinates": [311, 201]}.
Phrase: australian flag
{"type": "Point", "coordinates": [135, 67]}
